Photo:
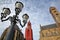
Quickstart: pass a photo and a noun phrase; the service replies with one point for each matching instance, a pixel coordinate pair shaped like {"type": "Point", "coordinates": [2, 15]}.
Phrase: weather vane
{"type": "Point", "coordinates": [6, 11]}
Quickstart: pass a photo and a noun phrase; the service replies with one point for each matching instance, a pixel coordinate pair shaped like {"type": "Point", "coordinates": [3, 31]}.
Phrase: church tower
{"type": "Point", "coordinates": [55, 14]}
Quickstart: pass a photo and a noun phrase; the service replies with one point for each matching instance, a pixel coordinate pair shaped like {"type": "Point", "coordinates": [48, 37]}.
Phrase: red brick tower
{"type": "Point", "coordinates": [28, 32]}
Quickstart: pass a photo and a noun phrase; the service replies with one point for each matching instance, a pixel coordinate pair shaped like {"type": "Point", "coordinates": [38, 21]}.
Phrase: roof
{"type": "Point", "coordinates": [48, 26]}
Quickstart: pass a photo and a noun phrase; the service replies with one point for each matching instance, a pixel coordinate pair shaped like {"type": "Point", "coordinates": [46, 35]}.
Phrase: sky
{"type": "Point", "coordinates": [38, 11]}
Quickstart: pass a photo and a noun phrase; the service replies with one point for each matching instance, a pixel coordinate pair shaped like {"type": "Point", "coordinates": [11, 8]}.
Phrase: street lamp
{"type": "Point", "coordinates": [5, 12]}
{"type": "Point", "coordinates": [25, 17]}
{"type": "Point", "coordinates": [18, 7]}
{"type": "Point", "coordinates": [14, 19]}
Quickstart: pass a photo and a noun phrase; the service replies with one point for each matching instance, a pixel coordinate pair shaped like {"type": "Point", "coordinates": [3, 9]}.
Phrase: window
{"type": "Point", "coordinates": [47, 34]}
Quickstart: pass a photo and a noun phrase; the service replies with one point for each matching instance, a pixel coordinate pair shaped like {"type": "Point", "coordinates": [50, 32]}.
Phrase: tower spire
{"type": "Point", "coordinates": [56, 15]}
{"type": "Point", "coordinates": [28, 32]}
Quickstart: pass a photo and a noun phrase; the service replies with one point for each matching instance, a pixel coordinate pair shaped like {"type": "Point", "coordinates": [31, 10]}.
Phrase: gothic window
{"type": "Point", "coordinates": [42, 35]}
{"type": "Point", "coordinates": [51, 33]}
{"type": "Point", "coordinates": [57, 32]}
{"type": "Point", "coordinates": [54, 33]}
{"type": "Point", "coordinates": [47, 34]}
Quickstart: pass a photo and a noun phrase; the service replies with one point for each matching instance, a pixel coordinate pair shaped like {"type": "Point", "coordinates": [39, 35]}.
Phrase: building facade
{"type": "Point", "coordinates": [52, 31]}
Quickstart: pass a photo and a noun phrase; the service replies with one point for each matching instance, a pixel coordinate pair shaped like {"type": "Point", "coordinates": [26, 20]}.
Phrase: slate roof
{"type": "Point", "coordinates": [48, 26]}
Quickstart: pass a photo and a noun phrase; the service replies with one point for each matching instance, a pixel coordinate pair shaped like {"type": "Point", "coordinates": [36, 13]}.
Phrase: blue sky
{"type": "Point", "coordinates": [38, 11]}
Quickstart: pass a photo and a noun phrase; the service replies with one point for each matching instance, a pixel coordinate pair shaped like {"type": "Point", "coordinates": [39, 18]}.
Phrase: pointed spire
{"type": "Point", "coordinates": [29, 25]}
{"type": "Point", "coordinates": [40, 27]}
{"type": "Point", "coordinates": [28, 32]}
